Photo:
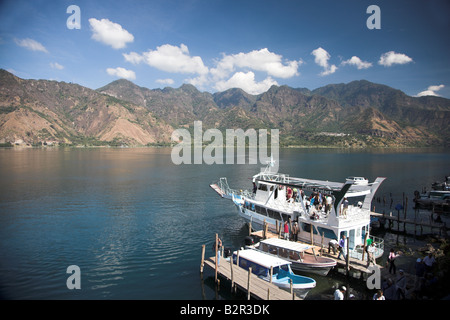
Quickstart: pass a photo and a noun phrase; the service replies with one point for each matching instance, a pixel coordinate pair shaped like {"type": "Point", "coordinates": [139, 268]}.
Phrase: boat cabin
{"type": "Point", "coordinates": [260, 263]}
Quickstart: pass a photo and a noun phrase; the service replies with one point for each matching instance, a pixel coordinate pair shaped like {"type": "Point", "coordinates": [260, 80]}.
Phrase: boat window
{"type": "Point", "coordinates": [284, 267]}
{"type": "Point", "coordinates": [327, 233]}
{"type": "Point", "coordinates": [273, 250]}
{"type": "Point", "coordinates": [283, 253]}
{"type": "Point", "coordinates": [261, 210]}
{"type": "Point", "coordinates": [262, 187]}
{"type": "Point", "coordinates": [285, 217]}
{"type": "Point", "coordinates": [264, 247]}
{"type": "Point", "coordinates": [243, 263]}
{"type": "Point", "coordinates": [274, 214]}
{"type": "Point", "coordinates": [307, 227]}
{"type": "Point", "coordinates": [293, 255]}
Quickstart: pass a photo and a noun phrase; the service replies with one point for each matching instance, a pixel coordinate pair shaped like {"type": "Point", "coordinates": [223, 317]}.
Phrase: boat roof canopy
{"type": "Point", "coordinates": [262, 259]}
{"type": "Point", "coordinates": [289, 245]}
{"type": "Point", "coordinates": [326, 187]}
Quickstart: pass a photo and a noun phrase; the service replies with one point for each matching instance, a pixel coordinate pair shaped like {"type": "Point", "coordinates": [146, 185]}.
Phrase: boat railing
{"type": "Point", "coordinates": [354, 214]}
{"type": "Point", "coordinates": [378, 252]}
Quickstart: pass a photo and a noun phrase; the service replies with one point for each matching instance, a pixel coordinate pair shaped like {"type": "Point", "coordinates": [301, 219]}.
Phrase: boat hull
{"type": "Point", "coordinates": [321, 270]}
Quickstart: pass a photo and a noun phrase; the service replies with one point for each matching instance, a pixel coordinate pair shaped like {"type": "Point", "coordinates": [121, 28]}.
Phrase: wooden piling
{"type": "Point", "coordinates": [321, 244]}
{"type": "Point", "coordinates": [203, 259]}
{"type": "Point", "coordinates": [347, 258]}
{"type": "Point", "coordinates": [248, 283]}
{"type": "Point", "coordinates": [365, 244]}
{"type": "Point", "coordinates": [292, 289]}
{"type": "Point", "coordinates": [216, 247]}
{"type": "Point", "coordinates": [231, 273]}
{"type": "Point", "coordinates": [264, 229]}
{"type": "Point", "coordinates": [271, 273]}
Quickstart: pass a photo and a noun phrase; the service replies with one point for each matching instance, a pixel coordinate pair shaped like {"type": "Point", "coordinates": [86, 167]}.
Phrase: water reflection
{"type": "Point", "coordinates": [129, 217]}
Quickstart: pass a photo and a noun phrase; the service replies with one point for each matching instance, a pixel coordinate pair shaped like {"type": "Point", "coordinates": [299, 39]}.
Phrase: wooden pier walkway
{"type": "Point", "coordinates": [249, 282]}
{"type": "Point", "coordinates": [442, 227]}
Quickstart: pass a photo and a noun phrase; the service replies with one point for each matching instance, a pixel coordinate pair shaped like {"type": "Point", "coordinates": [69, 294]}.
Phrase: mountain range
{"type": "Point", "coordinates": [356, 114]}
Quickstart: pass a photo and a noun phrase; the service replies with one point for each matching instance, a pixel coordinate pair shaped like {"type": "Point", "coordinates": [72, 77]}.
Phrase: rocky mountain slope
{"type": "Point", "coordinates": [37, 112]}
{"type": "Point", "coordinates": [357, 114]}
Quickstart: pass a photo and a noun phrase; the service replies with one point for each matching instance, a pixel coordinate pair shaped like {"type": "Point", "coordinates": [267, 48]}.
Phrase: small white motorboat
{"type": "Point", "coordinates": [273, 269]}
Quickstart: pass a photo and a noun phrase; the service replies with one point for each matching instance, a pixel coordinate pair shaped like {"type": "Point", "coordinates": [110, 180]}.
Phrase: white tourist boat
{"type": "Point", "coordinates": [273, 269]}
{"type": "Point", "coordinates": [278, 198]}
{"type": "Point", "coordinates": [358, 180]}
{"type": "Point", "coordinates": [296, 253]}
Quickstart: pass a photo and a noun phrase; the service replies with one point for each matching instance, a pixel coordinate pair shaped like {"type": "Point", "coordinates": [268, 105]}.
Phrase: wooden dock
{"type": "Point", "coordinates": [249, 282]}
{"type": "Point", "coordinates": [442, 227]}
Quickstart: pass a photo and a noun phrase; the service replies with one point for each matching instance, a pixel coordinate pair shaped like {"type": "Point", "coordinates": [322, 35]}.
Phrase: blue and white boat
{"type": "Point", "coordinates": [273, 269]}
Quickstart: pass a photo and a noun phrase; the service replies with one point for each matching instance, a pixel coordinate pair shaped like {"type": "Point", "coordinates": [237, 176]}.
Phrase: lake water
{"type": "Point", "coordinates": [134, 222]}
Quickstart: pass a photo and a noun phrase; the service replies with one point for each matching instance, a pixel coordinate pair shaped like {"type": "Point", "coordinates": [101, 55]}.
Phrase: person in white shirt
{"type": "Point", "coordinates": [379, 295]}
{"type": "Point", "coordinates": [429, 262]}
{"type": "Point", "coordinates": [339, 293]}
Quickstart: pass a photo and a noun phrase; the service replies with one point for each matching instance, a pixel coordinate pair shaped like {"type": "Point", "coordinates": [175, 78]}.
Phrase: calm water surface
{"type": "Point", "coordinates": [134, 222]}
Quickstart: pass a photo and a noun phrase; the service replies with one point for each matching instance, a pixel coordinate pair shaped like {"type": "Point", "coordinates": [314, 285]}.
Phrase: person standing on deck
{"type": "Point", "coordinates": [371, 255]}
{"type": "Point", "coordinates": [345, 208]}
{"type": "Point", "coordinates": [342, 247]}
{"type": "Point", "coordinates": [286, 230]}
{"type": "Point", "coordinates": [295, 231]}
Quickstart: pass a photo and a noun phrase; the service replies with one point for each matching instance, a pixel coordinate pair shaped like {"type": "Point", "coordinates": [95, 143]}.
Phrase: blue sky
{"type": "Point", "coordinates": [219, 44]}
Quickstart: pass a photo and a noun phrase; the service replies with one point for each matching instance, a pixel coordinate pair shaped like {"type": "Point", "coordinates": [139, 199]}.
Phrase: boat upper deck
{"type": "Point", "coordinates": [323, 186]}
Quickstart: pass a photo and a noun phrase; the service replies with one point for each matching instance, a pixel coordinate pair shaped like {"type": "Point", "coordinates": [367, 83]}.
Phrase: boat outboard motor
{"type": "Point", "coordinates": [249, 241]}
{"type": "Point", "coordinates": [227, 252]}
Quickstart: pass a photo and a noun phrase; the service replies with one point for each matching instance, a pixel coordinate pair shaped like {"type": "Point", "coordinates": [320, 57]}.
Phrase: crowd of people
{"type": "Point", "coordinates": [394, 287]}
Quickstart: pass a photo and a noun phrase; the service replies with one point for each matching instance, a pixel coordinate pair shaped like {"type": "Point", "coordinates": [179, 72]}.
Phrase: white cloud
{"type": "Point", "coordinates": [133, 57]}
{"type": "Point", "coordinates": [110, 33]}
{"type": "Point", "coordinates": [165, 81]}
{"type": "Point", "coordinates": [321, 57]}
{"type": "Point", "coordinates": [56, 65]}
{"type": "Point", "coordinates": [356, 61]}
{"type": "Point", "coordinates": [258, 60]}
{"type": "Point", "coordinates": [389, 58]}
{"type": "Point", "coordinates": [246, 81]}
{"type": "Point", "coordinates": [30, 44]}
{"type": "Point", "coordinates": [121, 73]}
{"type": "Point", "coordinates": [431, 91]}
{"type": "Point", "coordinates": [170, 59]}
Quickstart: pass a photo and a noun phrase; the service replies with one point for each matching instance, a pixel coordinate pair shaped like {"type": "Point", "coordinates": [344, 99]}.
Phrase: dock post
{"type": "Point", "coordinates": [231, 273]}
{"type": "Point", "coordinates": [271, 273]}
{"type": "Point", "coordinates": [347, 263]}
{"type": "Point", "coordinates": [248, 282]}
{"type": "Point", "coordinates": [406, 208]}
{"type": "Point", "coordinates": [264, 229]}
{"type": "Point", "coordinates": [268, 293]}
{"type": "Point", "coordinates": [312, 237]}
{"type": "Point", "coordinates": [216, 267]}
{"type": "Point", "coordinates": [290, 226]}
{"type": "Point", "coordinates": [292, 289]}
{"type": "Point", "coordinates": [365, 244]}
{"type": "Point", "coordinates": [203, 259]}
{"type": "Point", "coordinates": [321, 244]}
